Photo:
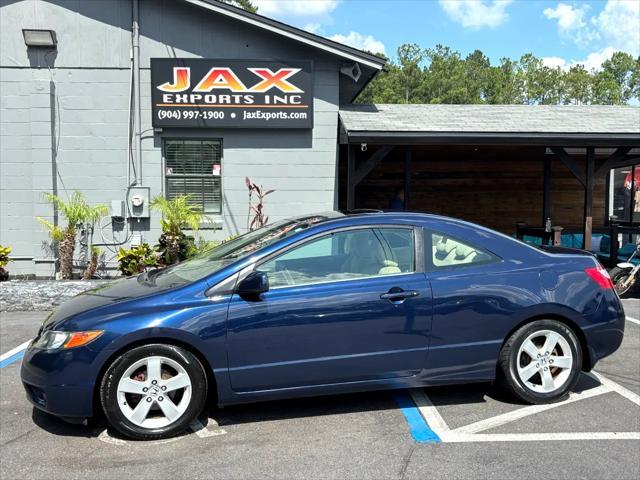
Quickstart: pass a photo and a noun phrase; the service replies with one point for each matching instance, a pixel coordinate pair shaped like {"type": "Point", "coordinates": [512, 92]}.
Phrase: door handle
{"type": "Point", "coordinates": [400, 295]}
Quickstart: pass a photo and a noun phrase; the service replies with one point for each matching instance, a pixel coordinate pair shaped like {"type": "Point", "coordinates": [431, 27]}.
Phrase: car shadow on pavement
{"type": "Point", "coordinates": [308, 407]}
{"type": "Point", "coordinates": [303, 407]}
{"type": "Point", "coordinates": [57, 426]}
{"type": "Point", "coordinates": [484, 392]}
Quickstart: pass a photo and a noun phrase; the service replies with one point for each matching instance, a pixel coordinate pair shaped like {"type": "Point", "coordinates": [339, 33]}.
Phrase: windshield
{"type": "Point", "coordinates": [218, 257]}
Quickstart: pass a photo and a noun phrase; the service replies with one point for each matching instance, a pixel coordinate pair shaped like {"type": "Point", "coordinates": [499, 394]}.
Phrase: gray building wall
{"type": "Point", "coordinates": [64, 116]}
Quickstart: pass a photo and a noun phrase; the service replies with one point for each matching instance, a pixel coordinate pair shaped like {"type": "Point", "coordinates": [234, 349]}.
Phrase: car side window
{"type": "Point", "coordinates": [447, 252]}
{"type": "Point", "coordinates": [342, 256]}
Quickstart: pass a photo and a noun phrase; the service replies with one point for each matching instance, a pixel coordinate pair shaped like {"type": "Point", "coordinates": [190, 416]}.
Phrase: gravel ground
{"type": "Point", "coordinates": [33, 295]}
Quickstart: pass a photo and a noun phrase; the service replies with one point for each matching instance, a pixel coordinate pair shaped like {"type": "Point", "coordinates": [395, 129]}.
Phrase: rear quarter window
{"type": "Point", "coordinates": [445, 252]}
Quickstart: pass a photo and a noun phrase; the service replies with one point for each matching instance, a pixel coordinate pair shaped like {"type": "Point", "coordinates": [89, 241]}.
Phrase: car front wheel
{"type": "Point", "coordinates": [541, 361]}
{"type": "Point", "coordinates": [153, 391]}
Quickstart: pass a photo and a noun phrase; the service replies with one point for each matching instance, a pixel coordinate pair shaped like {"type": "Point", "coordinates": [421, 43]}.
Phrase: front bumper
{"type": "Point", "coordinates": [60, 382]}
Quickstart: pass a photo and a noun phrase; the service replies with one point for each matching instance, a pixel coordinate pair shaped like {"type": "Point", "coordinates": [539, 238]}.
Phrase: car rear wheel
{"type": "Point", "coordinates": [541, 361]}
{"type": "Point", "coordinates": [153, 391]}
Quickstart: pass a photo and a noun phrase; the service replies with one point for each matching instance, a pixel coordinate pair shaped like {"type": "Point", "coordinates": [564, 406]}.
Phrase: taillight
{"type": "Point", "coordinates": [600, 276]}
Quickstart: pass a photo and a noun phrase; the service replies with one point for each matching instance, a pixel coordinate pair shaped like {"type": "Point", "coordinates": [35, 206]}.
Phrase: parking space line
{"type": "Point", "coordinates": [454, 437]}
{"type": "Point", "coordinates": [626, 393]}
{"type": "Point", "coordinates": [469, 433]}
{"type": "Point", "coordinates": [203, 431]}
{"type": "Point", "coordinates": [509, 417]}
{"type": "Point", "coordinates": [13, 354]}
{"type": "Point", "coordinates": [420, 429]}
{"type": "Point", "coordinates": [633, 320]}
{"type": "Point", "coordinates": [429, 412]}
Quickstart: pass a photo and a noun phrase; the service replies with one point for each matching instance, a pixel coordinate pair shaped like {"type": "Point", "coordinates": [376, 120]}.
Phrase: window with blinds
{"type": "Point", "coordinates": [193, 167]}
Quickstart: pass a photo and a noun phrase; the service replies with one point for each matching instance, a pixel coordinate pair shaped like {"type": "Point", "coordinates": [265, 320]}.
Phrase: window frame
{"type": "Point", "coordinates": [418, 254]}
{"type": "Point", "coordinates": [430, 267]}
{"type": "Point", "coordinates": [165, 183]}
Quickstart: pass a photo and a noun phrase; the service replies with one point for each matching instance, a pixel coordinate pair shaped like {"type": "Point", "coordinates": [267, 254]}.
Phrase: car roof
{"type": "Point", "coordinates": [374, 216]}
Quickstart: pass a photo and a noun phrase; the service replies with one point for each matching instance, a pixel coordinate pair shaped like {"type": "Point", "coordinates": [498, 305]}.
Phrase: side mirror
{"type": "Point", "coordinates": [255, 284]}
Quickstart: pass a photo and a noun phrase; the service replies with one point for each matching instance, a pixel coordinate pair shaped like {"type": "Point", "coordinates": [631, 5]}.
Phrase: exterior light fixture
{"type": "Point", "coordinates": [39, 38]}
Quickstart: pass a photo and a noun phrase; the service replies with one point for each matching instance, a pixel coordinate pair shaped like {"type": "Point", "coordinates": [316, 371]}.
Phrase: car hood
{"type": "Point", "coordinates": [108, 294]}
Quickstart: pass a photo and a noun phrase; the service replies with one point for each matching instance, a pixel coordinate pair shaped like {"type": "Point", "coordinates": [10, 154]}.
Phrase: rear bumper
{"type": "Point", "coordinates": [605, 332]}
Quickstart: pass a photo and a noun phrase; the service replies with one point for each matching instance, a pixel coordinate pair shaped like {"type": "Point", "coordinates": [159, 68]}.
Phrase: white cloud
{"type": "Point", "coordinates": [572, 23]}
{"type": "Point", "coordinates": [619, 25]}
{"type": "Point", "coordinates": [360, 41]}
{"type": "Point", "coordinates": [313, 28]}
{"type": "Point", "coordinates": [553, 62]}
{"type": "Point", "coordinates": [569, 17]}
{"type": "Point", "coordinates": [476, 13]}
{"type": "Point", "coordinates": [593, 61]}
{"type": "Point", "coordinates": [295, 8]}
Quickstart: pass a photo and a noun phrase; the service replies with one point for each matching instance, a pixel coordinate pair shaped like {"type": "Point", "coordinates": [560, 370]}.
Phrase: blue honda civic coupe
{"type": "Point", "coordinates": [325, 304]}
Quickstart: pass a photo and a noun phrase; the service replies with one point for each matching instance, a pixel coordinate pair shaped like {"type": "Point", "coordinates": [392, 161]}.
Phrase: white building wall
{"type": "Point", "coordinates": [71, 105]}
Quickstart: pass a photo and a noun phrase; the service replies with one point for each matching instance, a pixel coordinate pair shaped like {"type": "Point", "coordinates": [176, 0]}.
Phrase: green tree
{"type": "Point", "coordinates": [444, 80]}
{"type": "Point", "coordinates": [621, 67]}
{"type": "Point", "coordinates": [578, 86]}
{"type": "Point", "coordinates": [441, 75]}
{"type": "Point", "coordinates": [505, 83]}
{"type": "Point", "coordinates": [477, 77]}
{"type": "Point", "coordinates": [244, 4]}
{"type": "Point", "coordinates": [606, 89]}
{"type": "Point", "coordinates": [409, 75]}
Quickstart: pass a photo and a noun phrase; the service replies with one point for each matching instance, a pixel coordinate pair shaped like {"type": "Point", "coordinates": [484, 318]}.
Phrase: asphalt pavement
{"type": "Point", "coordinates": [479, 432]}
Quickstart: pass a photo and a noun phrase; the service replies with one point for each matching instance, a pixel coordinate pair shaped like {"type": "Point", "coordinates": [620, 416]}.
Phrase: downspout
{"type": "Point", "coordinates": [136, 89]}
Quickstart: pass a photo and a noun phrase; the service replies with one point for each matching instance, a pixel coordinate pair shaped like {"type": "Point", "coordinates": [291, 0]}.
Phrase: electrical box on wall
{"type": "Point", "coordinates": [138, 202]}
{"type": "Point", "coordinates": [117, 209]}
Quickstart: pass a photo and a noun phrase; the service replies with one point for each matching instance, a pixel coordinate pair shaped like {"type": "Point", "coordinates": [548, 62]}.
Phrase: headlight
{"type": "Point", "coordinates": [51, 340]}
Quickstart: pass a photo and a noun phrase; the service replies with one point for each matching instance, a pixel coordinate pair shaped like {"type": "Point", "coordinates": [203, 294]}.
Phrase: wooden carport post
{"type": "Point", "coordinates": [355, 176]}
{"type": "Point", "coordinates": [616, 159]}
{"type": "Point", "coordinates": [588, 200]}
{"type": "Point", "coordinates": [407, 177]}
{"type": "Point", "coordinates": [351, 170]}
{"type": "Point", "coordinates": [546, 196]}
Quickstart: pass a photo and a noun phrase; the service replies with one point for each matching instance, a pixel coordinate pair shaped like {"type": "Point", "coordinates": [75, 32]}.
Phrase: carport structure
{"type": "Point", "coordinates": [496, 165]}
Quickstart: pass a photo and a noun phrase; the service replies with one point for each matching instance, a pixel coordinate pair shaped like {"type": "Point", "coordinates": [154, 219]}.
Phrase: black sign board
{"type": "Point", "coordinates": [210, 93]}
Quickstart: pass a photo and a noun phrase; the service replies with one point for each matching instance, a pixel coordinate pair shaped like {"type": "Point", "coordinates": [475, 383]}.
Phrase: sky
{"type": "Point", "coordinates": [563, 33]}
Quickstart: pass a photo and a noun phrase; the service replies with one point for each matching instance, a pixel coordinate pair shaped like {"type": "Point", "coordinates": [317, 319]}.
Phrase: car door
{"type": "Point", "coordinates": [474, 298]}
{"type": "Point", "coordinates": [345, 306]}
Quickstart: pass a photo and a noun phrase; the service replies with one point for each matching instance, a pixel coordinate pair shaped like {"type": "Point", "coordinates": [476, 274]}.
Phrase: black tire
{"type": "Point", "coordinates": [617, 274]}
{"type": "Point", "coordinates": [508, 362]}
{"type": "Point", "coordinates": [109, 385]}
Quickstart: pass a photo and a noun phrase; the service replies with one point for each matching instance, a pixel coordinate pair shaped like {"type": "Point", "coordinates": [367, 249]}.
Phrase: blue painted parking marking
{"type": "Point", "coordinates": [420, 430]}
{"type": "Point", "coordinates": [13, 355]}
{"type": "Point", "coordinates": [11, 359]}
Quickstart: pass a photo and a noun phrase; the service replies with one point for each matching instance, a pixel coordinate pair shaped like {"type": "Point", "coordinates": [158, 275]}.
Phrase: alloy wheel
{"type": "Point", "coordinates": [154, 392]}
{"type": "Point", "coordinates": [544, 361]}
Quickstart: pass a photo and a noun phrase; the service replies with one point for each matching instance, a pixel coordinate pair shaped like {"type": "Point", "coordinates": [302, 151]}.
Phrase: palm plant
{"type": "Point", "coordinates": [92, 266]}
{"type": "Point", "coordinates": [177, 214]}
{"type": "Point", "coordinates": [76, 211]}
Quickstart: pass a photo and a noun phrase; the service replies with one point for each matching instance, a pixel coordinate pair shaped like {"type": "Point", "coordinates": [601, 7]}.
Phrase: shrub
{"type": "Point", "coordinates": [137, 259]}
{"type": "Point", "coordinates": [173, 244]}
{"type": "Point", "coordinates": [256, 209]}
{"type": "Point", "coordinates": [4, 261]}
